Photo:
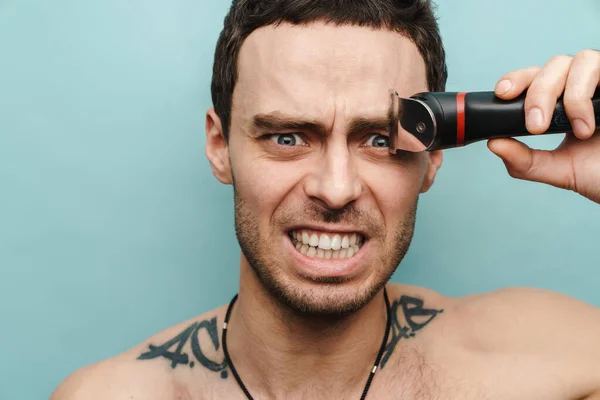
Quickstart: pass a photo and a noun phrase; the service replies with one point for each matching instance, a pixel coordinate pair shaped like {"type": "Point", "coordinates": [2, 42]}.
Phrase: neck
{"type": "Point", "coordinates": [278, 351]}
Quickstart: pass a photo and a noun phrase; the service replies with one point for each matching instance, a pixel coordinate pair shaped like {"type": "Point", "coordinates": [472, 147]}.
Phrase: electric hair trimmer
{"type": "Point", "coordinates": [440, 120]}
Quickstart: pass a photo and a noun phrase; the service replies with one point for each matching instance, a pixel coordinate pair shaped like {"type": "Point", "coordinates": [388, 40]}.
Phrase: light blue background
{"type": "Point", "coordinates": [113, 228]}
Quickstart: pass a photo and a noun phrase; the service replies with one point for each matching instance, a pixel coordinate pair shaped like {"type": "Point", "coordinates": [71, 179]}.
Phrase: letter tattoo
{"type": "Point", "coordinates": [177, 357]}
{"type": "Point", "coordinates": [412, 308]}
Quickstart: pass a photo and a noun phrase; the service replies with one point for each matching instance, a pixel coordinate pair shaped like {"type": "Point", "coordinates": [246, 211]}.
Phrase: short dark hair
{"type": "Point", "coordinates": [413, 18]}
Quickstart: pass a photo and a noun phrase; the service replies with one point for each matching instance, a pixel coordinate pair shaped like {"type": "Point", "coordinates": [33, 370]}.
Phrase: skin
{"type": "Point", "coordinates": [515, 343]}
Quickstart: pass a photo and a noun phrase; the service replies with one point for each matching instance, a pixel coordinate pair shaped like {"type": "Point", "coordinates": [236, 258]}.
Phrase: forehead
{"type": "Point", "coordinates": [321, 70]}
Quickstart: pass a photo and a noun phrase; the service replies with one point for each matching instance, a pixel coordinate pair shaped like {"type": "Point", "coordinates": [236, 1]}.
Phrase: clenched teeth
{"type": "Point", "coordinates": [328, 246]}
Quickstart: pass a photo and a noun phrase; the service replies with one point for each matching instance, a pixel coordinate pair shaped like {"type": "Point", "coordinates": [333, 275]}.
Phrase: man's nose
{"type": "Point", "coordinates": [334, 180]}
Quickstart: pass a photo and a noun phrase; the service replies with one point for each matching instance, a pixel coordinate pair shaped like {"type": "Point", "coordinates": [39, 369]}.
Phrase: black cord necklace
{"type": "Point", "coordinates": [371, 374]}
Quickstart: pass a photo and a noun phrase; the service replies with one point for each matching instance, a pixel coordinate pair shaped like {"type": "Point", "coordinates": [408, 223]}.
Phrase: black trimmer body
{"type": "Point", "coordinates": [441, 120]}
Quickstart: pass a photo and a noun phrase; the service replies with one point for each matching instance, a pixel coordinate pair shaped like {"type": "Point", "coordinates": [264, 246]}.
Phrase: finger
{"type": "Point", "coordinates": [542, 95]}
{"type": "Point", "coordinates": [522, 162]}
{"type": "Point", "coordinates": [514, 83]}
{"type": "Point", "coordinates": [582, 82]}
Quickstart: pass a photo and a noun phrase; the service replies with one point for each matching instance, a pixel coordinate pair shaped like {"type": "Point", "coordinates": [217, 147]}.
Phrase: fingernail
{"type": "Point", "coordinates": [503, 86]}
{"type": "Point", "coordinates": [579, 126]}
{"type": "Point", "coordinates": [535, 118]}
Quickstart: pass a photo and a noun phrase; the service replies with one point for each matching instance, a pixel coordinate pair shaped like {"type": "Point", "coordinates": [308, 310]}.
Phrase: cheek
{"type": "Point", "coordinates": [395, 188]}
{"type": "Point", "coordinates": [264, 184]}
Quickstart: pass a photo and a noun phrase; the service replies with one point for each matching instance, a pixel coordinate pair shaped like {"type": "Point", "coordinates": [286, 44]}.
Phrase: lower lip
{"type": "Point", "coordinates": [323, 268]}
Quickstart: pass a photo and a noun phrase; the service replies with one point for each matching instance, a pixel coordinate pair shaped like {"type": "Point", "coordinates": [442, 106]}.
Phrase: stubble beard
{"type": "Point", "coordinates": [323, 298]}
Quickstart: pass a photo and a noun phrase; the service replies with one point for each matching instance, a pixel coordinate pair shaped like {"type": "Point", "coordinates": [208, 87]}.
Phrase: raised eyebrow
{"type": "Point", "coordinates": [277, 122]}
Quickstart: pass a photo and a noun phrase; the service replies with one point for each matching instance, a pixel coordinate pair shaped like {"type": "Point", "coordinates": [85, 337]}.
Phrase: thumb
{"type": "Point", "coordinates": [522, 162]}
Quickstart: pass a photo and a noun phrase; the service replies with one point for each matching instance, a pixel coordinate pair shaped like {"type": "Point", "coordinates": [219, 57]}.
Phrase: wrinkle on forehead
{"type": "Point", "coordinates": [325, 72]}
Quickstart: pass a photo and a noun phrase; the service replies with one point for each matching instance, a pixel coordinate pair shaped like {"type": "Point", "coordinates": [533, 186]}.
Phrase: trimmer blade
{"type": "Point", "coordinates": [412, 124]}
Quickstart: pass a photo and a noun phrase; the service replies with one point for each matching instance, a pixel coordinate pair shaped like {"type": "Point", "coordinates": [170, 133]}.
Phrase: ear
{"type": "Point", "coordinates": [434, 162]}
{"type": "Point", "coordinates": [217, 149]}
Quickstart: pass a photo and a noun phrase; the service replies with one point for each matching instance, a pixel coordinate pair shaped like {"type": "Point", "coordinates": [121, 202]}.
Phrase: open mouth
{"type": "Point", "coordinates": [327, 246]}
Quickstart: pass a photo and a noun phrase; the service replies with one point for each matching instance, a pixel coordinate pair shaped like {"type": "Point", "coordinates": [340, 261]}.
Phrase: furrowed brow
{"type": "Point", "coordinates": [276, 122]}
{"type": "Point", "coordinates": [359, 125]}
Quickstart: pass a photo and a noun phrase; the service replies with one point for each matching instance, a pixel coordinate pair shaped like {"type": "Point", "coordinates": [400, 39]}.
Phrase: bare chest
{"type": "Point", "coordinates": [492, 379]}
{"type": "Point", "coordinates": [475, 377]}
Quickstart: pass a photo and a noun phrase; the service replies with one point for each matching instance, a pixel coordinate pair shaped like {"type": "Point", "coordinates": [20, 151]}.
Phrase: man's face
{"type": "Point", "coordinates": [310, 162]}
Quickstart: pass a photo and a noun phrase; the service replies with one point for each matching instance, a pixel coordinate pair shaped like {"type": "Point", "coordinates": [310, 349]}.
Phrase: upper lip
{"type": "Point", "coordinates": [330, 229]}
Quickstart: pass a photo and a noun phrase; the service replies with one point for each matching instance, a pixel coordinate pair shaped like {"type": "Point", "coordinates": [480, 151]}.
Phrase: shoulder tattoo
{"type": "Point", "coordinates": [178, 357]}
{"type": "Point", "coordinates": [416, 316]}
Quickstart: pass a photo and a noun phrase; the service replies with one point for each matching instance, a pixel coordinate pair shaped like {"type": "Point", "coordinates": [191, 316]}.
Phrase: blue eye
{"type": "Point", "coordinates": [287, 139]}
{"type": "Point", "coordinates": [378, 140]}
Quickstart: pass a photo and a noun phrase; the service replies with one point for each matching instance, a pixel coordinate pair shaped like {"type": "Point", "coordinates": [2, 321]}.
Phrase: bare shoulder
{"type": "Point", "coordinates": [173, 364]}
{"type": "Point", "coordinates": [555, 330]}
{"type": "Point", "coordinates": [526, 313]}
{"type": "Point", "coordinates": [532, 330]}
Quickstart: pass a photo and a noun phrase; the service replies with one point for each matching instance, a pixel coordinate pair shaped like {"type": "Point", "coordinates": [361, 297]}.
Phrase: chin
{"type": "Point", "coordinates": [321, 297]}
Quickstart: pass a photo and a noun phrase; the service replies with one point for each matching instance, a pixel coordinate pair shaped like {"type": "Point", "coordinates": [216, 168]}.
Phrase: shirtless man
{"type": "Point", "coordinates": [302, 138]}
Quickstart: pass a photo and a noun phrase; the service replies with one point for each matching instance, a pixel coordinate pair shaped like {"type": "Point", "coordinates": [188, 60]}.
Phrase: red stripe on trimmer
{"type": "Point", "coordinates": [460, 118]}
